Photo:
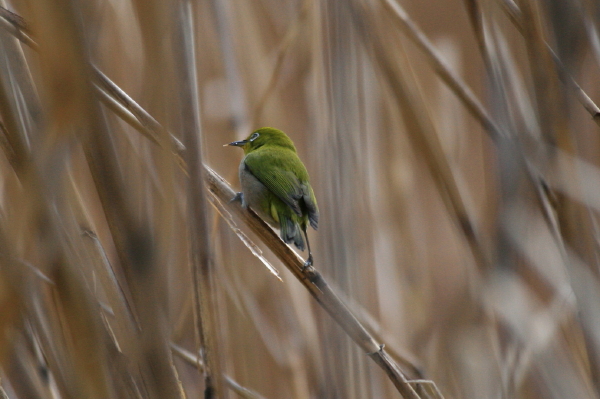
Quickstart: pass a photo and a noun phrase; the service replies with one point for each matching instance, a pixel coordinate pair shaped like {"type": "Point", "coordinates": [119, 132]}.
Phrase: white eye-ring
{"type": "Point", "coordinates": [254, 136]}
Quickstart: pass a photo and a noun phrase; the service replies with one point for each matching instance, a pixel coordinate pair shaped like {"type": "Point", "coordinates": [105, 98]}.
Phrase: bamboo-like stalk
{"type": "Point", "coordinates": [202, 260]}
{"type": "Point", "coordinates": [237, 92]}
{"type": "Point", "coordinates": [458, 86]}
{"type": "Point", "coordinates": [23, 383]}
{"type": "Point", "coordinates": [158, 134]}
{"type": "Point", "coordinates": [15, 146]}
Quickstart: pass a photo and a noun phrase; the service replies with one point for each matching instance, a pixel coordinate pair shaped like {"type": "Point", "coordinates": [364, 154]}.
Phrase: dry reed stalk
{"type": "Point", "coordinates": [341, 93]}
{"type": "Point", "coordinates": [14, 148]}
{"type": "Point", "coordinates": [202, 260]}
{"type": "Point", "coordinates": [556, 124]}
{"type": "Point", "coordinates": [23, 382]}
{"type": "Point", "coordinates": [237, 92]}
{"type": "Point", "coordinates": [124, 320]}
{"type": "Point", "coordinates": [314, 282]}
{"type": "Point", "coordinates": [422, 132]}
{"type": "Point", "coordinates": [133, 243]}
{"type": "Point", "coordinates": [528, 332]}
{"type": "Point", "coordinates": [573, 219]}
{"type": "Point", "coordinates": [441, 67]}
{"type": "Point", "coordinates": [325, 296]}
{"type": "Point", "coordinates": [590, 108]}
{"type": "Point", "coordinates": [455, 83]}
{"type": "Point", "coordinates": [514, 13]}
{"type": "Point", "coordinates": [125, 107]}
{"type": "Point", "coordinates": [135, 254]}
{"type": "Point", "coordinates": [37, 177]}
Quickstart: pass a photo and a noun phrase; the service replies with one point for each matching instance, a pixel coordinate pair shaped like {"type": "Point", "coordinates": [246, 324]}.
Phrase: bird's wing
{"type": "Point", "coordinates": [311, 207]}
{"type": "Point", "coordinates": [282, 173]}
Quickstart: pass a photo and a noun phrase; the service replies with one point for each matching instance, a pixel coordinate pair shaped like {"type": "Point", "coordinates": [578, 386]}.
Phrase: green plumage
{"type": "Point", "coordinates": [275, 184]}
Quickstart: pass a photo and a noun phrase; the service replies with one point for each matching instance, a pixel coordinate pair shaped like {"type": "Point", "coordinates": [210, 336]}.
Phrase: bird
{"type": "Point", "coordinates": [275, 184]}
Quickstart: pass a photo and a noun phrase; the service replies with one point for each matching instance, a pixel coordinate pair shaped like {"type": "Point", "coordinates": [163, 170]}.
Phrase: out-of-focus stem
{"type": "Point", "coordinates": [201, 257]}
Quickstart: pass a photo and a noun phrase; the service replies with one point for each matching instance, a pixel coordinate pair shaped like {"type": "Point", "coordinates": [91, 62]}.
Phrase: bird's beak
{"type": "Point", "coordinates": [240, 143]}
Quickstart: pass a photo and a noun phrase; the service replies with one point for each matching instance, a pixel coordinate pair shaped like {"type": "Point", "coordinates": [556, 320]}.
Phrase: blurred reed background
{"type": "Point", "coordinates": [453, 149]}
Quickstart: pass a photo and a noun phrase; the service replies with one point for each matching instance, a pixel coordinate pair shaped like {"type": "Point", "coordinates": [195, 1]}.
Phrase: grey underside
{"type": "Point", "coordinates": [255, 193]}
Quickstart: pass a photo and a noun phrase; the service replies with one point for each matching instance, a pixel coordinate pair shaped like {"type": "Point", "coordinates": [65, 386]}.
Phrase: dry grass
{"type": "Point", "coordinates": [453, 150]}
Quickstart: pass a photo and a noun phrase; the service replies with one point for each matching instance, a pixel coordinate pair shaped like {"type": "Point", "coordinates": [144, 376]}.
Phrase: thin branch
{"type": "Point", "coordinates": [120, 102]}
{"type": "Point", "coordinates": [516, 16]}
{"type": "Point", "coordinates": [459, 87]}
{"type": "Point", "coordinates": [17, 26]}
{"type": "Point", "coordinates": [3, 394]}
{"type": "Point", "coordinates": [475, 17]}
{"type": "Point", "coordinates": [442, 68]}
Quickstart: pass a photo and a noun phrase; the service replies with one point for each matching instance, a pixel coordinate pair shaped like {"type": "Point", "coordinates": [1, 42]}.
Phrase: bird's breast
{"type": "Point", "coordinates": [256, 195]}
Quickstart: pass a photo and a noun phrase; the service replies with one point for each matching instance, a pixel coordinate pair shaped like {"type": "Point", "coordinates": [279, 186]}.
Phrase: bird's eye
{"type": "Point", "coordinates": [254, 136]}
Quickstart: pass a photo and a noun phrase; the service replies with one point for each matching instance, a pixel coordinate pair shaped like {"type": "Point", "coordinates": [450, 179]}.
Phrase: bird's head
{"type": "Point", "coordinates": [263, 137]}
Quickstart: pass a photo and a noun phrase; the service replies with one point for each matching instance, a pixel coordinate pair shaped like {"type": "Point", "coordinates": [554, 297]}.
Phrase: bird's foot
{"type": "Point", "coordinates": [308, 263]}
{"type": "Point", "coordinates": [239, 197]}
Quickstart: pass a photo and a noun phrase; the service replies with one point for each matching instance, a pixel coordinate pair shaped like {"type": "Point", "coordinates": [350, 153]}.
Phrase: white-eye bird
{"type": "Point", "coordinates": [276, 186]}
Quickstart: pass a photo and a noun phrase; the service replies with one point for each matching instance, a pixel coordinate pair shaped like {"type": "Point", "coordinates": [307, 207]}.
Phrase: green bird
{"type": "Point", "coordinates": [275, 185]}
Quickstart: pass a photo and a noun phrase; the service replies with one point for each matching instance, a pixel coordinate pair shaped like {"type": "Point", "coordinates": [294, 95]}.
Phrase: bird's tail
{"type": "Point", "coordinates": [290, 232]}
